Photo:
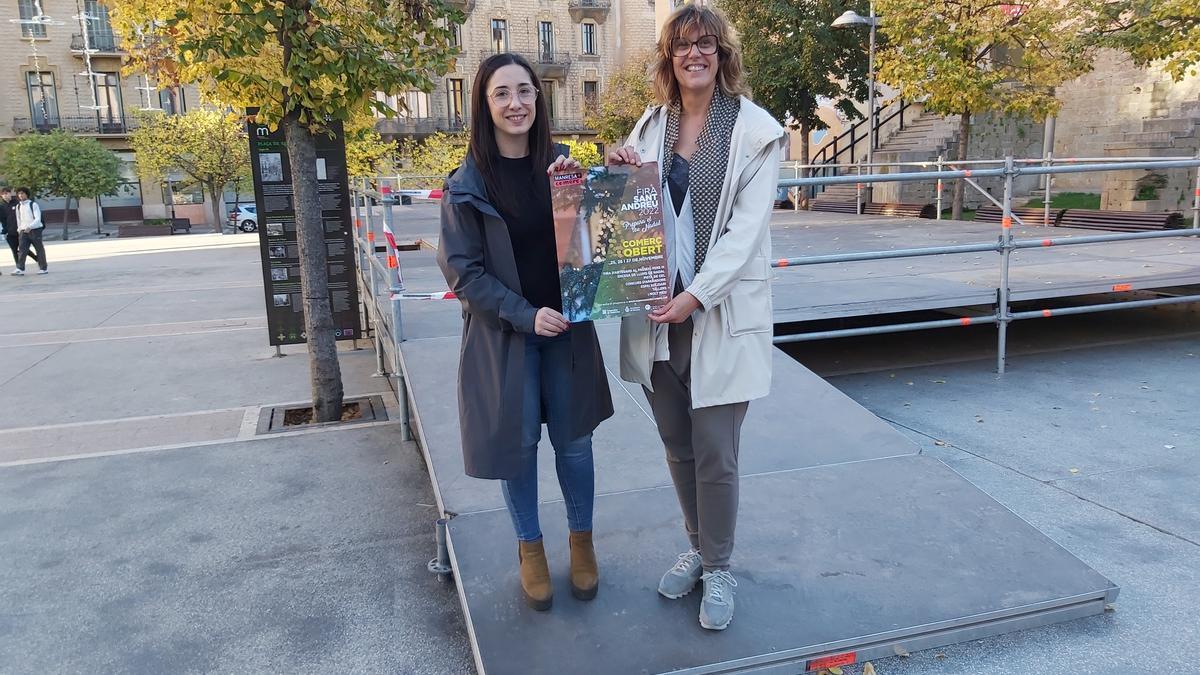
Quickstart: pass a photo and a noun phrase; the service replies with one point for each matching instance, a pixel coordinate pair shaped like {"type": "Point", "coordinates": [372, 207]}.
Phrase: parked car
{"type": "Point", "coordinates": [244, 217]}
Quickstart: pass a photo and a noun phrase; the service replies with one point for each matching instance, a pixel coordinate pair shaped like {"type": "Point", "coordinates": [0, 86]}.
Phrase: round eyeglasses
{"type": "Point", "coordinates": [503, 96]}
{"type": "Point", "coordinates": [707, 45]}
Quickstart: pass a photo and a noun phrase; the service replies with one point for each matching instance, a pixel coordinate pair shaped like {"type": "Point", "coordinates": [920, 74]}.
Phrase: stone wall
{"type": "Point", "coordinates": [1109, 102]}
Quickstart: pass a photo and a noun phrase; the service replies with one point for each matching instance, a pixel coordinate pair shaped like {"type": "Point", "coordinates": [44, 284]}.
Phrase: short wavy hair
{"type": "Point", "coordinates": [730, 76]}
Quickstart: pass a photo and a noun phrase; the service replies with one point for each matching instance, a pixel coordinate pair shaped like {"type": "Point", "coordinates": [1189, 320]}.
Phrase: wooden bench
{"type": "Point", "coordinates": [1028, 214]}
{"type": "Point", "coordinates": [830, 206]}
{"type": "Point", "coordinates": [899, 209]}
{"type": "Point", "coordinates": [1121, 221]}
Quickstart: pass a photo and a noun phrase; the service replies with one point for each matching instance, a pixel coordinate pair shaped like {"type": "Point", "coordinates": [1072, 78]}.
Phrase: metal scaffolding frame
{"type": "Point", "coordinates": [1005, 246]}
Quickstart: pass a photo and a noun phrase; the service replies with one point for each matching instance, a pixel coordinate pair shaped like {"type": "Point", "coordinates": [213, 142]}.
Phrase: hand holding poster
{"type": "Point", "coordinates": [609, 231]}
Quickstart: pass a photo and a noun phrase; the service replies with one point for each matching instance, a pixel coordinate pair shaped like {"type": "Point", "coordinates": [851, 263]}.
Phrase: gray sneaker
{"type": "Point", "coordinates": [716, 609]}
{"type": "Point", "coordinates": [682, 577]}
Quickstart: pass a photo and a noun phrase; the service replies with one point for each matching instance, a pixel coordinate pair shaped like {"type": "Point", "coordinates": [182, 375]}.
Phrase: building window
{"type": "Point", "coordinates": [180, 190]}
{"type": "Point", "coordinates": [416, 104]}
{"type": "Point", "coordinates": [172, 100]}
{"type": "Point", "coordinates": [43, 102]}
{"type": "Point", "coordinates": [548, 87]}
{"type": "Point", "coordinates": [546, 41]}
{"type": "Point", "coordinates": [499, 35]}
{"type": "Point", "coordinates": [457, 97]}
{"type": "Point", "coordinates": [100, 32]}
{"type": "Point", "coordinates": [28, 11]}
{"type": "Point", "coordinates": [111, 115]}
{"type": "Point", "coordinates": [591, 96]}
{"type": "Point", "coordinates": [456, 36]}
{"type": "Point", "coordinates": [588, 37]}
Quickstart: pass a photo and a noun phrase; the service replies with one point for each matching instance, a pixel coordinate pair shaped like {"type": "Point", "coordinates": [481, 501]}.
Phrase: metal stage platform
{"type": "Point", "coordinates": [950, 282]}
{"type": "Point", "coordinates": [848, 540]}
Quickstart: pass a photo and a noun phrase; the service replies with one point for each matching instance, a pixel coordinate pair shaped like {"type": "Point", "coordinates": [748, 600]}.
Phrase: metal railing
{"type": "Point", "coordinates": [97, 42]}
{"type": "Point", "coordinates": [381, 286]}
{"type": "Point", "coordinates": [941, 163]}
{"type": "Point", "coordinates": [1005, 246]}
{"type": "Point", "coordinates": [80, 124]}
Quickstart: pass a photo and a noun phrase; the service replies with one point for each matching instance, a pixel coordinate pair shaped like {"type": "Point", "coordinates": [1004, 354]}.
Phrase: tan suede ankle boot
{"type": "Point", "coordinates": [535, 575]}
{"type": "Point", "coordinates": [585, 576]}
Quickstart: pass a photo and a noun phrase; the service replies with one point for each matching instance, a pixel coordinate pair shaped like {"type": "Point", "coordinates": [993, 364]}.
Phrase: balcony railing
{"type": "Point", "coordinates": [99, 43]}
{"type": "Point", "coordinates": [570, 125]}
{"type": "Point", "coordinates": [550, 64]}
{"type": "Point", "coordinates": [419, 126]}
{"type": "Point", "coordinates": [82, 124]}
{"type": "Point", "coordinates": [596, 10]}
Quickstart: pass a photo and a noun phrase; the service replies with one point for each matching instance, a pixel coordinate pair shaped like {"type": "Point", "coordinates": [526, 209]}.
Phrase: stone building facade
{"type": "Point", "coordinates": [575, 45]}
{"type": "Point", "coordinates": [45, 84]}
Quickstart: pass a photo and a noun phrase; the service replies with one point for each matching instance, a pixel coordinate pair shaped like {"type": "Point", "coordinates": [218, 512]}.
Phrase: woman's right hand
{"type": "Point", "coordinates": [624, 155]}
{"type": "Point", "coordinates": [549, 323]}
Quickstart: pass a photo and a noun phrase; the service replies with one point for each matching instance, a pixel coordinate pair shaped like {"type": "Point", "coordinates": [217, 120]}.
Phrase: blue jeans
{"type": "Point", "coordinates": [548, 388]}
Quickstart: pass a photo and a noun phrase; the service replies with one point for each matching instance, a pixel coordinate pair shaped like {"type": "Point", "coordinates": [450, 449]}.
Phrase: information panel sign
{"type": "Point", "coordinates": [277, 233]}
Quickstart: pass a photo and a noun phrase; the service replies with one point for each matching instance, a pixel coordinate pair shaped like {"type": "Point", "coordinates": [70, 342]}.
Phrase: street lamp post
{"type": "Point", "coordinates": [852, 19]}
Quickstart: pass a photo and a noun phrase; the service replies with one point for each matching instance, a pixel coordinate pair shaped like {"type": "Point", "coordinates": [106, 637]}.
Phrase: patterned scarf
{"type": "Point", "coordinates": [707, 167]}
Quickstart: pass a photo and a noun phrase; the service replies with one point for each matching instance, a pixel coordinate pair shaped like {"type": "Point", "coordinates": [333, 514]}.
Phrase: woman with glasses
{"type": "Point", "coordinates": [704, 355]}
{"type": "Point", "coordinates": [521, 363]}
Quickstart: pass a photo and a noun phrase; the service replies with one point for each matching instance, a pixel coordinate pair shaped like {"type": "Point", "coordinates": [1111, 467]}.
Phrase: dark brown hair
{"type": "Point", "coordinates": [483, 130]}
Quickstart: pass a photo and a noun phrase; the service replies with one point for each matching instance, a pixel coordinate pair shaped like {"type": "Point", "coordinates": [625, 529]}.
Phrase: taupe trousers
{"type": "Point", "coordinates": [702, 451]}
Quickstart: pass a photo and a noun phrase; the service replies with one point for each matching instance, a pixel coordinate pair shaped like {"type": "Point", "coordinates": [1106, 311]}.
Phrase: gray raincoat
{"type": "Point", "coordinates": [476, 256]}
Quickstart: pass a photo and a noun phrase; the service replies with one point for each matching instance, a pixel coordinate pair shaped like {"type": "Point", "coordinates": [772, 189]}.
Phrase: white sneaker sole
{"type": "Point", "coordinates": [676, 597]}
{"type": "Point", "coordinates": [708, 626]}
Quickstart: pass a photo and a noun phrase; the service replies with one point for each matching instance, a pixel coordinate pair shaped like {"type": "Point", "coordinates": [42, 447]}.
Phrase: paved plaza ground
{"type": "Point", "coordinates": [144, 527]}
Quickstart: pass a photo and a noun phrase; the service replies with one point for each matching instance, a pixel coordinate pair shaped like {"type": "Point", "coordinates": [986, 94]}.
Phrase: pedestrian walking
{"type": "Point", "coordinates": [29, 229]}
{"type": "Point", "coordinates": [705, 355]}
{"type": "Point", "coordinates": [8, 221]}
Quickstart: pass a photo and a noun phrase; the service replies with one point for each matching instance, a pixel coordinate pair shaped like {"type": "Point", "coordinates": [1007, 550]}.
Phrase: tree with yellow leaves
{"type": "Point", "coordinates": [304, 64]}
{"type": "Point", "coordinates": [208, 146]}
{"type": "Point", "coordinates": [964, 57]}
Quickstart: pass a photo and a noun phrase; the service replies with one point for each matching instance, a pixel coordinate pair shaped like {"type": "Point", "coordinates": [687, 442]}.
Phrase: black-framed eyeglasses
{"type": "Point", "coordinates": [525, 94]}
{"type": "Point", "coordinates": [707, 45]}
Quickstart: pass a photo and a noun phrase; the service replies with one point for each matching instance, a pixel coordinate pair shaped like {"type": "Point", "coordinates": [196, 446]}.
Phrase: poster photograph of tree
{"type": "Point", "coordinates": [609, 232]}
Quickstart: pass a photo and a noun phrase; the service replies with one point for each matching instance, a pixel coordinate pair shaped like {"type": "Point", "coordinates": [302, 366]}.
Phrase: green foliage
{"type": "Point", "coordinates": [367, 154]}
{"type": "Point", "coordinates": [625, 97]}
{"type": "Point", "coordinates": [1152, 30]}
{"type": "Point", "coordinates": [1068, 200]}
{"type": "Point", "coordinates": [432, 159]}
{"type": "Point", "coordinates": [315, 61]}
{"type": "Point", "coordinates": [795, 59]}
{"type": "Point", "coordinates": [1148, 187]}
{"type": "Point", "coordinates": [61, 164]}
{"type": "Point", "coordinates": [968, 56]}
{"type": "Point", "coordinates": [208, 146]}
{"type": "Point", "coordinates": [585, 153]}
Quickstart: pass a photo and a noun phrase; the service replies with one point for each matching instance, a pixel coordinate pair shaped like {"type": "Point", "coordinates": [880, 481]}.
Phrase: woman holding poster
{"type": "Point", "coordinates": [521, 364]}
{"type": "Point", "coordinates": [704, 355]}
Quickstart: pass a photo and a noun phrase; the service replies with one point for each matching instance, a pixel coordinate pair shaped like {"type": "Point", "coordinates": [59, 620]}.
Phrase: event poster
{"type": "Point", "coordinates": [609, 230]}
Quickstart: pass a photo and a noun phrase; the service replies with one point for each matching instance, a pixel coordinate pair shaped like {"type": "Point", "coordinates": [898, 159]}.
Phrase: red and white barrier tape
{"type": "Point", "coordinates": [444, 295]}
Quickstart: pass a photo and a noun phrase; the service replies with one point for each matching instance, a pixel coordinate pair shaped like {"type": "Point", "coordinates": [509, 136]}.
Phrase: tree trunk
{"type": "Point", "coordinates": [214, 194]}
{"type": "Point", "coordinates": [960, 186]}
{"type": "Point", "coordinates": [324, 370]}
{"type": "Point", "coordinates": [66, 220]}
{"type": "Point", "coordinates": [802, 192]}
